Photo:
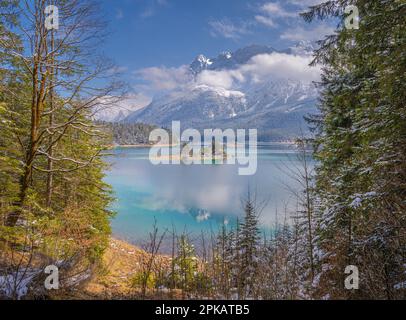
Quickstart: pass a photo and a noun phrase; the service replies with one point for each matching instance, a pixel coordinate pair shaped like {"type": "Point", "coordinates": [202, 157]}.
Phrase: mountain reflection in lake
{"type": "Point", "coordinates": [198, 197]}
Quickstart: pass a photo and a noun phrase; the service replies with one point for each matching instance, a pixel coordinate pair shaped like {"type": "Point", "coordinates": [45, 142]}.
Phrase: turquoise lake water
{"type": "Point", "coordinates": [195, 198]}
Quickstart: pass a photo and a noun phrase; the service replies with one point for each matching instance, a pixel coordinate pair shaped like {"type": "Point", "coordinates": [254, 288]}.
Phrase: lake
{"type": "Point", "coordinates": [195, 198]}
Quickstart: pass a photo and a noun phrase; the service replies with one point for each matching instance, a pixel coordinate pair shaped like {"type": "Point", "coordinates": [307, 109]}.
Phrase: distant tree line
{"type": "Point", "coordinates": [129, 133]}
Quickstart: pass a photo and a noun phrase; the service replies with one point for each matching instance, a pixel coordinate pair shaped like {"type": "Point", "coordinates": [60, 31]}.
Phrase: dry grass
{"type": "Point", "coordinates": [121, 262]}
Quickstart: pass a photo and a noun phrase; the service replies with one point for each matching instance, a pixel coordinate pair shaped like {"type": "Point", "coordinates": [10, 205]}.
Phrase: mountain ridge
{"type": "Point", "coordinates": [276, 107]}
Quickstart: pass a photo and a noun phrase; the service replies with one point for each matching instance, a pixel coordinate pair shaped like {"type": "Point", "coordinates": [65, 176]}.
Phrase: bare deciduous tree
{"type": "Point", "coordinates": [67, 78]}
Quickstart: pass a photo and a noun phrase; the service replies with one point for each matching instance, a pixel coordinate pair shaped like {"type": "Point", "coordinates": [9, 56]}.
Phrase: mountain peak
{"type": "Point", "coordinates": [274, 106]}
{"type": "Point", "coordinates": [304, 47]}
{"type": "Point", "coordinates": [226, 54]}
{"type": "Point", "coordinates": [228, 59]}
{"type": "Point", "coordinates": [200, 63]}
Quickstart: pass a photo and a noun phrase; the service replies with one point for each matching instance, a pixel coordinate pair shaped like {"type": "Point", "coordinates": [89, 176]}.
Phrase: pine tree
{"type": "Point", "coordinates": [225, 261]}
{"type": "Point", "coordinates": [186, 265]}
{"type": "Point", "coordinates": [248, 247]}
{"type": "Point", "coordinates": [361, 149]}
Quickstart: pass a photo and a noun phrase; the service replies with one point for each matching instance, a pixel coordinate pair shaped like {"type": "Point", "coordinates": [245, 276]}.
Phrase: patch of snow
{"type": "Point", "coordinates": [233, 114]}
{"type": "Point", "coordinates": [359, 198]}
{"type": "Point", "coordinates": [17, 285]}
{"type": "Point", "coordinates": [220, 91]}
{"type": "Point", "coordinates": [400, 286]}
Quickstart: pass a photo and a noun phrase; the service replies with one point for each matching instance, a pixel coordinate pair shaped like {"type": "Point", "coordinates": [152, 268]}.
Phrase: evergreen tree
{"type": "Point", "coordinates": [361, 149]}
{"type": "Point", "coordinates": [129, 133]}
{"type": "Point", "coordinates": [186, 265]}
{"type": "Point", "coordinates": [224, 261]}
{"type": "Point", "coordinates": [248, 247]}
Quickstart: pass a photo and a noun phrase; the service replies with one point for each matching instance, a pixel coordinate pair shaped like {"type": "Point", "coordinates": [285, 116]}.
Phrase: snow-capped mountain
{"type": "Point", "coordinates": [111, 114]}
{"type": "Point", "coordinates": [228, 60]}
{"type": "Point", "coordinates": [193, 108]}
{"type": "Point", "coordinates": [256, 93]}
{"type": "Point", "coordinates": [108, 109]}
{"type": "Point", "coordinates": [303, 48]}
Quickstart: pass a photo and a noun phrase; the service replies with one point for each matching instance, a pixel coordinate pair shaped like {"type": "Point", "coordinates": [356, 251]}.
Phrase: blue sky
{"type": "Point", "coordinates": [171, 33]}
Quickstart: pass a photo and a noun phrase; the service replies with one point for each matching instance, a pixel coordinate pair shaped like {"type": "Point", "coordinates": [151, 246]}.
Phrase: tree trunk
{"type": "Point", "coordinates": [50, 177]}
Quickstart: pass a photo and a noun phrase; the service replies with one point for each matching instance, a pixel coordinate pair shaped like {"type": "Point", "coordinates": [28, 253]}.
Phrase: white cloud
{"type": "Point", "coordinates": [113, 109]}
{"type": "Point", "coordinates": [153, 7]}
{"type": "Point", "coordinates": [223, 79]}
{"type": "Point", "coordinates": [117, 70]}
{"type": "Point", "coordinates": [265, 20]}
{"type": "Point", "coordinates": [135, 101]}
{"type": "Point", "coordinates": [276, 10]}
{"type": "Point", "coordinates": [163, 78]}
{"type": "Point", "coordinates": [281, 66]}
{"type": "Point", "coordinates": [306, 3]}
{"type": "Point", "coordinates": [148, 12]}
{"type": "Point", "coordinates": [300, 33]}
{"type": "Point", "coordinates": [262, 68]}
{"type": "Point", "coordinates": [271, 10]}
{"type": "Point", "coordinates": [227, 29]}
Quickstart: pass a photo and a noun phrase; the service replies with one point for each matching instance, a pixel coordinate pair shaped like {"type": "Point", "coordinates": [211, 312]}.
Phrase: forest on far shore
{"type": "Point", "coordinates": [127, 134]}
